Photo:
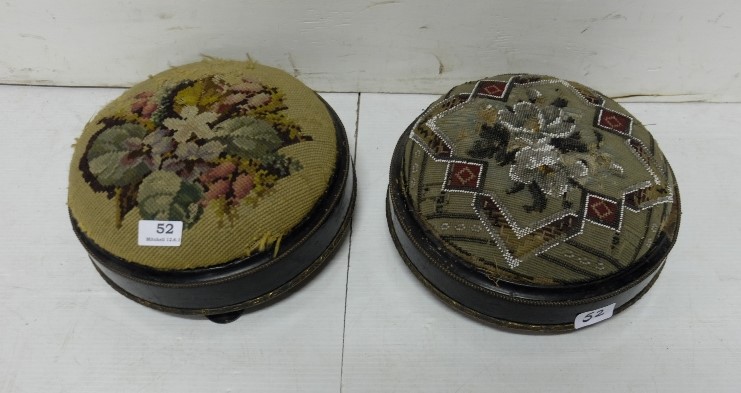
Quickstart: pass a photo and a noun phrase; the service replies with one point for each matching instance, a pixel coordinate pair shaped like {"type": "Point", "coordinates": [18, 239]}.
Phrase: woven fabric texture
{"type": "Point", "coordinates": [538, 180]}
{"type": "Point", "coordinates": [239, 152]}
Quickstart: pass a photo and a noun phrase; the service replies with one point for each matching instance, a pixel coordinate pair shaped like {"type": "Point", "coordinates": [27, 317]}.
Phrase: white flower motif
{"type": "Point", "coordinates": [192, 123]}
{"type": "Point", "coordinates": [541, 163]}
{"type": "Point", "coordinates": [532, 121]}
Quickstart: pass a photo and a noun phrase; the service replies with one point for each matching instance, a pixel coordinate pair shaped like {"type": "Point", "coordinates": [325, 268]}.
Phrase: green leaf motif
{"type": "Point", "coordinates": [284, 165]}
{"type": "Point", "coordinates": [248, 138]}
{"type": "Point", "coordinates": [164, 195]}
{"type": "Point", "coordinates": [109, 156]}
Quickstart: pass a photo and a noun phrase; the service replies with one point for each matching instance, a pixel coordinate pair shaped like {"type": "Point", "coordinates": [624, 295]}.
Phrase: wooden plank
{"type": "Point", "coordinates": [676, 51]}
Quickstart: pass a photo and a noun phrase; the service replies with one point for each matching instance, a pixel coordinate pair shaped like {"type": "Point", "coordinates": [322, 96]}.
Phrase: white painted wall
{"type": "Point", "coordinates": [677, 50]}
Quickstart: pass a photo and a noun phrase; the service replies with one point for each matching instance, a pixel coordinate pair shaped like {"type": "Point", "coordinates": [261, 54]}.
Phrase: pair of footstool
{"type": "Point", "coordinates": [523, 200]}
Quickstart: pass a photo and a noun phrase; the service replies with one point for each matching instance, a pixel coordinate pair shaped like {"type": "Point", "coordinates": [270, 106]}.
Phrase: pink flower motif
{"type": "Point", "coordinates": [258, 100]}
{"type": "Point", "coordinates": [224, 181]}
{"type": "Point", "coordinates": [247, 86]}
{"type": "Point", "coordinates": [144, 105]}
{"type": "Point", "coordinates": [227, 103]}
{"type": "Point", "coordinates": [216, 190]}
{"type": "Point", "coordinates": [225, 169]}
{"type": "Point", "coordinates": [242, 186]}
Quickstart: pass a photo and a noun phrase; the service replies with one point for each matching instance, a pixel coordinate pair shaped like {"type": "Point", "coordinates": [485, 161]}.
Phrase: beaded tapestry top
{"type": "Point", "coordinates": [538, 180]}
{"type": "Point", "coordinates": [238, 152]}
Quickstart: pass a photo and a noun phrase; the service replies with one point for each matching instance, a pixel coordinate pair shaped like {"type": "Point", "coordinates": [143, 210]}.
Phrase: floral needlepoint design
{"type": "Point", "coordinates": [186, 146]}
{"type": "Point", "coordinates": [529, 120]}
{"type": "Point", "coordinates": [548, 166]}
{"type": "Point", "coordinates": [543, 165]}
{"type": "Point", "coordinates": [542, 145]}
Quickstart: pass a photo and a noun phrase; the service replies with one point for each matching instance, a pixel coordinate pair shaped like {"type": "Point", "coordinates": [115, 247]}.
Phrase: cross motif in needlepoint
{"type": "Point", "coordinates": [638, 147]}
{"type": "Point", "coordinates": [491, 211]}
{"type": "Point", "coordinates": [614, 121]}
{"type": "Point", "coordinates": [647, 197]}
{"type": "Point", "coordinates": [558, 228]}
{"type": "Point", "coordinates": [463, 176]}
{"type": "Point", "coordinates": [492, 89]}
{"type": "Point", "coordinates": [603, 211]}
{"type": "Point", "coordinates": [589, 96]}
{"type": "Point", "coordinates": [436, 146]}
{"type": "Point", "coordinates": [634, 199]}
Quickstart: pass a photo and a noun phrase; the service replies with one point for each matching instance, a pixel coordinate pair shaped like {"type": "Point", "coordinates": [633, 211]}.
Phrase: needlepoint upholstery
{"type": "Point", "coordinates": [239, 152]}
{"type": "Point", "coordinates": [535, 182]}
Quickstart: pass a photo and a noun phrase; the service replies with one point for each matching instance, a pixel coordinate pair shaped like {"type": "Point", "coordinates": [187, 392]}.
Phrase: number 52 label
{"type": "Point", "coordinates": [594, 316]}
{"type": "Point", "coordinates": [160, 233]}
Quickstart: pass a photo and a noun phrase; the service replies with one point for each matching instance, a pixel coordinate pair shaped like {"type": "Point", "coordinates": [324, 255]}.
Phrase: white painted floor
{"type": "Point", "coordinates": [364, 324]}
